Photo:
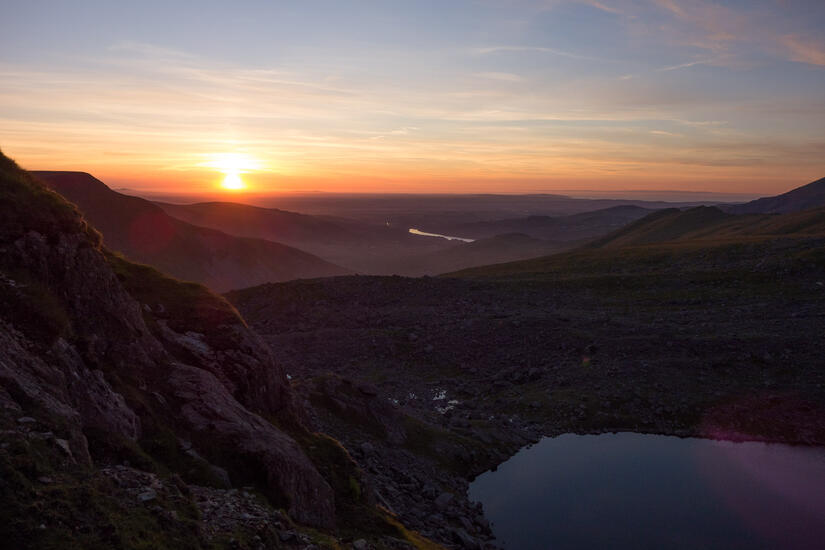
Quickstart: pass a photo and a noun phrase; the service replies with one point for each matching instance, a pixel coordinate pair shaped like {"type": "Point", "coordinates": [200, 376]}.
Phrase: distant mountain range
{"type": "Point", "coordinates": [559, 229]}
{"type": "Point", "coordinates": [229, 245]}
{"type": "Point", "coordinates": [802, 214]}
{"type": "Point", "coordinates": [364, 246]}
{"type": "Point", "coordinates": [386, 249]}
{"type": "Point", "coordinates": [143, 232]}
{"type": "Point", "coordinates": [708, 235]}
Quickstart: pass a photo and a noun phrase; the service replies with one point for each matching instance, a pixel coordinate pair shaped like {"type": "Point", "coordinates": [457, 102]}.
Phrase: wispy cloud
{"type": "Point", "coordinates": [804, 50]}
{"type": "Point", "coordinates": [610, 6]}
{"type": "Point", "coordinates": [552, 51]}
{"type": "Point", "coordinates": [686, 65]}
{"type": "Point", "coordinates": [404, 130]}
{"type": "Point", "coordinates": [732, 32]}
{"type": "Point", "coordinates": [504, 77]}
{"type": "Point", "coordinates": [602, 6]}
{"type": "Point", "coordinates": [148, 50]}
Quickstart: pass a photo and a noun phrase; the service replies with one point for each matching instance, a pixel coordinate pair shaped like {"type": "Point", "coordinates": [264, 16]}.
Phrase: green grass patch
{"type": "Point", "coordinates": [185, 306]}
{"type": "Point", "coordinates": [413, 537]}
{"type": "Point", "coordinates": [356, 513]}
{"type": "Point", "coordinates": [28, 205]}
{"type": "Point", "coordinates": [79, 509]}
{"type": "Point", "coordinates": [445, 447]}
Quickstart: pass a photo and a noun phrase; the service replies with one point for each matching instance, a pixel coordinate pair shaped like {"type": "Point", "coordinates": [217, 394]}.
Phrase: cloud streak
{"type": "Point", "coordinates": [725, 30]}
{"type": "Point", "coordinates": [686, 65]}
{"type": "Point", "coordinates": [535, 49]}
{"type": "Point", "coordinates": [804, 50]}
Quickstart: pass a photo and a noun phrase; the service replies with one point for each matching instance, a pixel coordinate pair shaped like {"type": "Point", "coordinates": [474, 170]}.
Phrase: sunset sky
{"type": "Point", "coordinates": [414, 95]}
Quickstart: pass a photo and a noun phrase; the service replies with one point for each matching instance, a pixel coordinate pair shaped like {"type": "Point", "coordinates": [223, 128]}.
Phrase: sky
{"type": "Point", "coordinates": [416, 95]}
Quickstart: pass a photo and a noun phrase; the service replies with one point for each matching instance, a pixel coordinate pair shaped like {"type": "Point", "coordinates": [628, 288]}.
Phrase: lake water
{"type": "Point", "coordinates": [448, 237]}
{"type": "Point", "coordinates": [632, 491]}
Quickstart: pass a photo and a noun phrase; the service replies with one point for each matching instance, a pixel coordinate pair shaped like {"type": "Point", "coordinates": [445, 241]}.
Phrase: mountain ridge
{"type": "Point", "coordinates": [671, 239]}
{"type": "Point", "coordinates": [145, 233]}
{"type": "Point", "coordinates": [570, 228]}
{"type": "Point", "coordinates": [800, 198]}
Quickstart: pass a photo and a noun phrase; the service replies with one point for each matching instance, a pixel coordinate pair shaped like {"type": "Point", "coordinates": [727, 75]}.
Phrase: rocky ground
{"type": "Point", "coordinates": [429, 382]}
{"type": "Point", "coordinates": [67, 500]}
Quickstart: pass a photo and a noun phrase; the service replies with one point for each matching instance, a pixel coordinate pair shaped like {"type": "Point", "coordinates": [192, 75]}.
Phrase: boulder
{"type": "Point", "coordinates": [443, 501]}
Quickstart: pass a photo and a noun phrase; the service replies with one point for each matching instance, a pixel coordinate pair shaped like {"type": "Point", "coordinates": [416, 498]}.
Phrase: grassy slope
{"type": "Point", "coordinates": [711, 224]}
{"type": "Point", "coordinates": [702, 238]}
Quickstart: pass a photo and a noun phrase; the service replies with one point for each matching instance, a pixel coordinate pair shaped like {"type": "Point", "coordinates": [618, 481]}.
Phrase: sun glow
{"type": "Point", "coordinates": [233, 182]}
{"type": "Point", "coordinates": [233, 165]}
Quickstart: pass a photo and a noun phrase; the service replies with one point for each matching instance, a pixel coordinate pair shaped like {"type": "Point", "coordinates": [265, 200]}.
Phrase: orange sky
{"type": "Point", "coordinates": [519, 96]}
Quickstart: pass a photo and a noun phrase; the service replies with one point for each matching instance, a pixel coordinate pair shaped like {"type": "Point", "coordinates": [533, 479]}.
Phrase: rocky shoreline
{"type": "Point", "coordinates": [430, 382]}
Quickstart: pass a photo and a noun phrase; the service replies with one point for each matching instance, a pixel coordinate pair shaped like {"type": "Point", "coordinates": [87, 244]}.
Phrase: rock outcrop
{"type": "Point", "coordinates": [110, 355]}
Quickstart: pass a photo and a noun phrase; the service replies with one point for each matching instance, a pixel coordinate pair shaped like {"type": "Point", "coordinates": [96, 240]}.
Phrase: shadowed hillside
{"type": "Point", "coordinates": [664, 225]}
{"type": "Point", "coordinates": [795, 200]}
{"type": "Point", "coordinates": [671, 240]}
{"type": "Point", "coordinates": [366, 247]}
{"type": "Point", "coordinates": [500, 248]}
{"type": "Point", "coordinates": [145, 233]}
{"type": "Point", "coordinates": [278, 225]}
{"type": "Point", "coordinates": [711, 224]}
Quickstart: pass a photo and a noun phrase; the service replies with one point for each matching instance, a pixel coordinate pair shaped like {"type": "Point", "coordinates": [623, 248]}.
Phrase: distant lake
{"type": "Point", "coordinates": [448, 237]}
{"type": "Point", "coordinates": [632, 491]}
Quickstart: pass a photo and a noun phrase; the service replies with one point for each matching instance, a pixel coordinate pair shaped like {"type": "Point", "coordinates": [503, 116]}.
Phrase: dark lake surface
{"type": "Point", "coordinates": [628, 490]}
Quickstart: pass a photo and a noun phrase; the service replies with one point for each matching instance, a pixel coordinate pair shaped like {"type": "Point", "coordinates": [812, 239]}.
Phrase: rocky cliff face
{"type": "Point", "coordinates": [107, 356]}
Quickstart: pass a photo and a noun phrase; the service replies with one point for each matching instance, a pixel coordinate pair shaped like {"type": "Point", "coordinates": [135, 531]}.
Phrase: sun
{"type": "Point", "coordinates": [233, 165]}
{"type": "Point", "coordinates": [233, 182]}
